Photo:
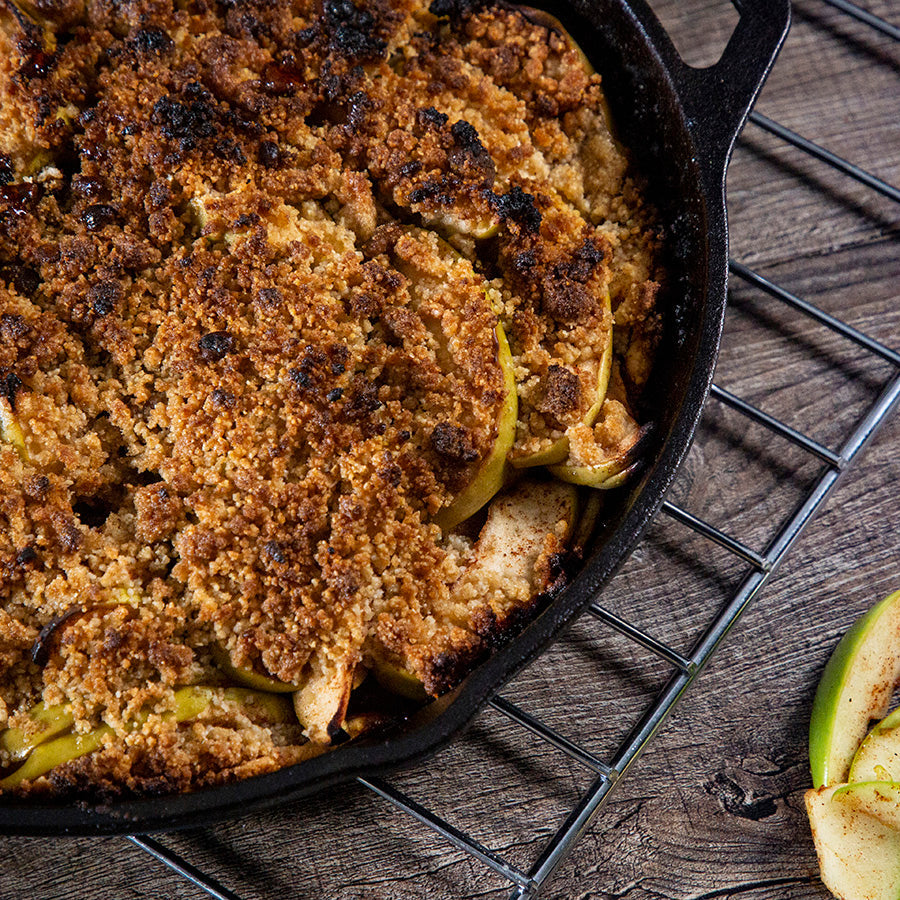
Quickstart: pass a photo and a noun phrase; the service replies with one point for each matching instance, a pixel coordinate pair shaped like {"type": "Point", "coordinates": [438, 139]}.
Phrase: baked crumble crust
{"type": "Point", "coordinates": [252, 260]}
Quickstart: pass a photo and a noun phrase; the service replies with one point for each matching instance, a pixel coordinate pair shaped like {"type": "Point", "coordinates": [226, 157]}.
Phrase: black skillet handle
{"type": "Point", "coordinates": [718, 98]}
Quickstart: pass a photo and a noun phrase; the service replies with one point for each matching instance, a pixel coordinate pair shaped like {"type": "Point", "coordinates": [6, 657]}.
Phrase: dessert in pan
{"type": "Point", "coordinates": [312, 321]}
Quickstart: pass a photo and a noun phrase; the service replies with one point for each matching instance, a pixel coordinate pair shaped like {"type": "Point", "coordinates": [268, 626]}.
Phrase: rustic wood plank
{"type": "Point", "coordinates": [713, 809]}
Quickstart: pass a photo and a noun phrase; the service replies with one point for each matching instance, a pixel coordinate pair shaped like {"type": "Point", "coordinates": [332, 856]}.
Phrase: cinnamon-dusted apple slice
{"type": "Point", "coordinates": [855, 688]}
{"type": "Point", "coordinates": [603, 457]}
{"type": "Point", "coordinates": [856, 828]}
{"type": "Point", "coordinates": [508, 566]}
{"type": "Point", "coordinates": [878, 757]}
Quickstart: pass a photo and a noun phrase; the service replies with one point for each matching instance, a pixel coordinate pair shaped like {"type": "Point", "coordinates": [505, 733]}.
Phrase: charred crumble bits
{"type": "Point", "coordinates": [253, 260]}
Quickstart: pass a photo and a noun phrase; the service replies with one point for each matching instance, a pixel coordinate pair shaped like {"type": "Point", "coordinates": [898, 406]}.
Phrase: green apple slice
{"type": "Point", "coordinates": [397, 680]}
{"type": "Point", "coordinates": [558, 450]}
{"type": "Point", "coordinates": [856, 829]}
{"type": "Point", "coordinates": [249, 677]}
{"type": "Point", "coordinates": [878, 757]}
{"type": "Point", "coordinates": [617, 462]}
{"type": "Point", "coordinates": [190, 702]}
{"type": "Point", "coordinates": [55, 720]}
{"type": "Point", "coordinates": [489, 478]}
{"type": "Point", "coordinates": [855, 688]}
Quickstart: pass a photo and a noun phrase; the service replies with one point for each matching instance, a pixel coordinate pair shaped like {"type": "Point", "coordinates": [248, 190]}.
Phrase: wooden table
{"type": "Point", "coordinates": [714, 807]}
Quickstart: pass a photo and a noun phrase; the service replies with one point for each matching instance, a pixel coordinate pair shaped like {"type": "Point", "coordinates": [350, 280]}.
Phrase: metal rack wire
{"type": "Point", "coordinates": [684, 668]}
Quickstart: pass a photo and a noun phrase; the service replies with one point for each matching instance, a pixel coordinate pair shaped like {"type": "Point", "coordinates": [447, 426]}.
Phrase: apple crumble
{"type": "Point", "coordinates": [292, 298]}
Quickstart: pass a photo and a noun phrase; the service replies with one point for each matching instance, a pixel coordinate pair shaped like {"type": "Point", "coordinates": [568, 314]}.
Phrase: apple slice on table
{"type": "Point", "coordinates": [855, 688]}
{"type": "Point", "coordinates": [878, 757]}
{"type": "Point", "coordinates": [856, 828]}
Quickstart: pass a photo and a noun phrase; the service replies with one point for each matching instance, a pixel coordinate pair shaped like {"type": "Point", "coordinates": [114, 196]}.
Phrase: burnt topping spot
{"type": "Point", "coordinates": [12, 327]}
{"type": "Point", "coordinates": [334, 395]}
{"type": "Point", "coordinates": [270, 297]}
{"type": "Point", "coordinates": [6, 169]}
{"type": "Point", "coordinates": [453, 443]}
{"type": "Point", "coordinates": [352, 30]}
{"type": "Point", "coordinates": [455, 9]}
{"type": "Point", "coordinates": [429, 116]}
{"type": "Point", "coordinates": [37, 487]}
{"type": "Point", "coordinates": [274, 552]}
{"type": "Point", "coordinates": [26, 556]}
{"type": "Point", "coordinates": [23, 279]}
{"type": "Point", "coordinates": [585, 259]}
{"type": "Point", "coordinates": [215, 346]}
{"type": "Point", "coordinates": [10, 385]}
{"type": "Point", "coordinates": [268, 154]}
{"type": "Point", "coordinates": [98, 216]}
{"type": "Point", "coordinates": [104, 296]}
{"type": "Point", "coordinates": [152, 40]}
{"type": "Point", "coordinates": [188, 123]}
{"type": "Point", "coordinates": [519, 207]}
{"type": "Point", "coordinates": [363, 400]}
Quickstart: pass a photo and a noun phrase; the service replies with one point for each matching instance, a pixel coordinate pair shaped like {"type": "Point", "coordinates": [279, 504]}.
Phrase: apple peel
{"type": "Point", "coordinates": [856, 687]}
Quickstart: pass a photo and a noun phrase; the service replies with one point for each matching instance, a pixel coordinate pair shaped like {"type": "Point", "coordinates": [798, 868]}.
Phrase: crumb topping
{"type": "Point", "coordinates": [253, 258]}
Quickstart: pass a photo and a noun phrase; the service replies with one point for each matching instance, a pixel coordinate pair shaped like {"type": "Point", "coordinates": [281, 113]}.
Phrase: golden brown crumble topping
{"type": "Point", "coordinates": [253, 259]}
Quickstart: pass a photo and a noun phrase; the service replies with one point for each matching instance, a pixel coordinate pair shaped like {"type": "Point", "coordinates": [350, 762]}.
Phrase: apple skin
{"type": "Point", "coordinates": [248, 677]}
{"type": "Point", "coordinates": [559, 449]}
{"type": "Point", "coordinates": [489, 478]}
{"type": "Point", "coordinates": [878, 757]}
{"type": "Point", "coordinates": [856, 687]}
{"type": "Point", "coordinates": [856, 829]}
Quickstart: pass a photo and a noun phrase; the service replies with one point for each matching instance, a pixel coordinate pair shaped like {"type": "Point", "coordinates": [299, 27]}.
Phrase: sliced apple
{"type": "Point", "coordinates": [10, 429]}
{"type": "Point", "coordinates": [54, 719]}
{"type": "Point", "coordinates": [489, 478]}
{"type": "Point", "coordinates": [511, 559]}
{"type": "Point", "coordinates": [249, 677]}
{"type": "Point", "coordinates": [265, 706]}
{"type": "Point", "coordinates": [189, 703]}
{"type": "Point", "coordinates": [397, 680]}
{"type": "Point", "coordinates": [605, 464]}
{"type": "Point", "coordinates": [878, 757]}
{"type": "Point", "coordinates": [856, 828]}
{"type": "Point", "coordinates": [558, 450]}
{"type": "Point", "coordinates": [321, 704]}
{"type": "Point", "coordinates": [855, 688]}
{"type": "Point", "coordinates": [452, 222]}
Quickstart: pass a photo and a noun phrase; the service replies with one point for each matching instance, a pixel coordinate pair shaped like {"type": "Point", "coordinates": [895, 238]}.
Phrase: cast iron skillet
{"type": "Point", "coordinates": [682, 123]}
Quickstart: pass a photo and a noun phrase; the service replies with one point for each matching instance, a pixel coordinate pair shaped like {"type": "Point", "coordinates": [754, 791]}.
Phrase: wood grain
{"type": "Point", "coordinates": [713, 809]}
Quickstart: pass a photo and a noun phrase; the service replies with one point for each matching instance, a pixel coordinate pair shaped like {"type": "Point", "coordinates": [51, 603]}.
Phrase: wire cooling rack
{"type": "Point", "coordinates": [760, 564]}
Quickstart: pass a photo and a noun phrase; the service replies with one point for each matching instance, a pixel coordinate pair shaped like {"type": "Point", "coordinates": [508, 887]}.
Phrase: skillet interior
{"type": "Point", "coordinates": [631, 51]}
